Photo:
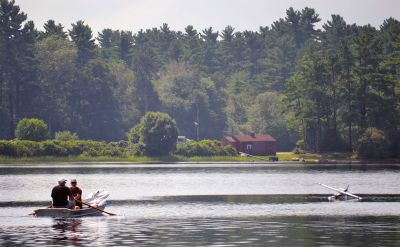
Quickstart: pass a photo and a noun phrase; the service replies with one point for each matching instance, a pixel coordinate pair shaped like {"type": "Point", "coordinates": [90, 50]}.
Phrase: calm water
{"type": "Point", "coordinates": [206, 205]}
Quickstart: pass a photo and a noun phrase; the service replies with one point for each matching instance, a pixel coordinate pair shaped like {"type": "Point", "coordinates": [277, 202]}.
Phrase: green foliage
{"type": "Point", "coordinates": [184, 93]}
{"type": "Point", "coordinates": [56, 59]}
{"type": "Point", "coordinates": [17, 65]}
{"type": "Point", "coordinates": [126, 93]}
{"type": "Point", "coordinates": [66, 135]}
{"type": "Point", "coordinates": [51, 28]}
{"type": "Point", "coordinates": [267, 115]}
{"type": "Point", "coordinates": [373, 144]}
{"type": "Point", "coordinates": [92, 148]}
{"type": "Point", "coordinates": [4, 121]}
{"type": "Point", "coordinates": [158, 133]}
{"type": "Point", "coordinates": [32, 129]}
{"type": "Point", "coordinates": [120, 144]}
{"type": "Point", "coordinates": [299, 149]}
{"type": "Point", "coordinates": [137, 149]}
{"type": "Point", "coordinates": [205, 148]}
{"type": "Point", "coordinates": [81, 35]}
{"type": "Point", "coordinates": [7, 148]}
{"type": "Point", "coordinates": [290, 79]}
{"type": "Point", "coordinates": [27, 148]}
{"type": "Point", "coordinates": [51, 148]}
{"type": "Point", "coordinates": [21, 148]}
{"type": "Point", "coordinates": [230, 150]}
{"type": "Point", "coordinates": [134, 134]}
{"type": "Point", "coordinates": [145, 66]}
{"type": "Point", "coordinates": [95, 103]}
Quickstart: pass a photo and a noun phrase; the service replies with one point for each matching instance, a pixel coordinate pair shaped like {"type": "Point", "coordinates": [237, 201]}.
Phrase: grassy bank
{"type": "Point", "coordinates": [23, 151]}
{"type": "Point", "coordinates": [133, 159]}
{"type": "Point", "coordinates": [81, 158]}
{"type": "Point", "coordinates": [283, 156]}
{"type": "Point", "coordinates": [316, 157]}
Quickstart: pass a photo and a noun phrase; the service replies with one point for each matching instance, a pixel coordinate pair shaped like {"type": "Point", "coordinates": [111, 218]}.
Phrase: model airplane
{"type": "Point", "coordinates": [341, 194]}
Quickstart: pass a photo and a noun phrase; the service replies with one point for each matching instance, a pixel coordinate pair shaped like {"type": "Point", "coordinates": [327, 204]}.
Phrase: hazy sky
{"type": "Point", "coordinates": [134, 15]}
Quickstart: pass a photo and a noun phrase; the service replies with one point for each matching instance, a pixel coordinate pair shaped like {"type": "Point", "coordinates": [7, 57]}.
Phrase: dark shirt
{"type": "Point", "coordinates": [60, 196]}
{"type": "Point", "coordinates": [76, 191]}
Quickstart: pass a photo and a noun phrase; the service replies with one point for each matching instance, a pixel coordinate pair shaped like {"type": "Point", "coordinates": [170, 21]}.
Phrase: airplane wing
{"type": "Point", "coordinates": [340, 191]}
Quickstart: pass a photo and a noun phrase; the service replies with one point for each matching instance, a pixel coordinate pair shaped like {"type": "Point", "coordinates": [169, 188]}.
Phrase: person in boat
{"type": "Point", "coordinates": [76, 193]}
{"type": "Point", "coordinates": [61, 194]}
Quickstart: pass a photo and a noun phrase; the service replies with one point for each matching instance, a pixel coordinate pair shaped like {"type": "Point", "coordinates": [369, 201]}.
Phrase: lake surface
{"type": "Point", "coordinates": [206, 205]}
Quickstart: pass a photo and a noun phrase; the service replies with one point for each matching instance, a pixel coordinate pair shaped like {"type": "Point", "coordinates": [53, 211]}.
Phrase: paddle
{"type": "Point", "coordinates": [101, 210]}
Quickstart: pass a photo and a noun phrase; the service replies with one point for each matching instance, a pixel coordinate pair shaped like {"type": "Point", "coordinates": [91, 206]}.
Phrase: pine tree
{"type": "Point", "coordinates": [17, 73]}
{"type": "Point", "coordinates": [51, 28]}
{"type": "Point", "coordinates": [81, 35]}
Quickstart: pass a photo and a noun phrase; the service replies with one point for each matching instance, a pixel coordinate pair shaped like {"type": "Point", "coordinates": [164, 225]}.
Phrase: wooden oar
{"type": "Point", "coordinates": [101, 210]}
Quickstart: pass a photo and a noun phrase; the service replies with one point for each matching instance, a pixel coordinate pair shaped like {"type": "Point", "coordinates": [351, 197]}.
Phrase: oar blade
{"type": "Point", "coordinates": [101, 210]}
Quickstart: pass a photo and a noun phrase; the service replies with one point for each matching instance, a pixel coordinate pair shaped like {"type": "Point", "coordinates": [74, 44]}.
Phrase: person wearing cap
{"type": "Point", "coordinates": [76, 193]}
{"type": "Point", "coordinates": [60, 195]}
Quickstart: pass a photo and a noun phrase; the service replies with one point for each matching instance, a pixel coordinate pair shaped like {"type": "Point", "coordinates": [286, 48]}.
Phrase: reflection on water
{"type": "Point", "coordinates": [67, 229]}
{"type": "Point", "coordinates": [207, 205]}
{"type": "Point", "coordinates": [264, 231]}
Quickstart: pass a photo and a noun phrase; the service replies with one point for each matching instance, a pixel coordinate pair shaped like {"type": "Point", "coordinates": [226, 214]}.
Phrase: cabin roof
{"type": "Point", "coordinates": [251, 138]}
{"type": "Point", "coordinates": [230, 139]}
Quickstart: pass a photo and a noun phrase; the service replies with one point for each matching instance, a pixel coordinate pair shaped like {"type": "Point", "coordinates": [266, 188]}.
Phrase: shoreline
{"type": "Point", "coordinates": [173, 159]}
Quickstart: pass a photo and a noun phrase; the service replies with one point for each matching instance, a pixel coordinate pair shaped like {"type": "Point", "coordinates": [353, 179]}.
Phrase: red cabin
{"type": "Point", "coordinates": [252, 144]}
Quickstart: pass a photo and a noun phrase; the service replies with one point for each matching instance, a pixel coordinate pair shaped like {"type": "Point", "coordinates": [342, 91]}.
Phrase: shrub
{"type": "Point", "coordinates": [27, 148]}
{"type": "Point", "coordinates": [229, 150]}
{"type": "Point", "coordinates": [51, 148]}
{"type": "Point", "coordinates": [299, 149]}
{"type": "Point", "coordinates": [18, 148]}
{"type": "Point", "coordinates": [373, 144]}
{"type": "Point", "coordinates": [119, 144]}
{"type": "Point", "coordinates": [107, 151]}
{"type": "Point", "coordinates": [66, 135]}
{"type": "Point", "coordinates": [134, 134]}
{"type": "Point", "coordinates": [94, 148]}
{"type": "Point", "coordinates": [73, 147]}
{"type": "Point", "coordinates": [205, 148]}
{"type": "Point", "coordinates": [7, 148]}
{"type": "Point", "coordinates": [158, 133]}
{"type": "Point", "coordinates": [31, 129]}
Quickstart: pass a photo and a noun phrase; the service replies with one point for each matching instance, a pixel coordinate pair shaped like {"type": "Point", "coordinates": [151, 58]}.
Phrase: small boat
{"type": "Point", "coordinates": [341, 194]}
{"type": "Point", "coordinates": [96, 200]}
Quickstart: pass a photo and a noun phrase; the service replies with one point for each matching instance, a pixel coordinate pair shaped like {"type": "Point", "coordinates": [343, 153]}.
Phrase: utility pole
{"type": "Point", "coordinates": [196, 124]}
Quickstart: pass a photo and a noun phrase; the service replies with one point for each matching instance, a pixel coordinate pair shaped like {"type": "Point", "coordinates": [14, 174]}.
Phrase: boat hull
{"type": "Point", "coordinates": [342, 198]}
{"type": "Point", "coordinates": [67, 213]}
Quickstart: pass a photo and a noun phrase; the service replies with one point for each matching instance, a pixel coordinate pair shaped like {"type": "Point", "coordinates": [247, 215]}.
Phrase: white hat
{"type": "Point", "coordinates": [62, 180]}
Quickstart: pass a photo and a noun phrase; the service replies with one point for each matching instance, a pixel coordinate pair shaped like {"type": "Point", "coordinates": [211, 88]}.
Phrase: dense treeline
{"type": "Point", "coordinates": [324, 87]}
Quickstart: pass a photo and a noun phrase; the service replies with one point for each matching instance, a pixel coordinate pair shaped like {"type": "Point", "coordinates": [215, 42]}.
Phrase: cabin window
{"type": "Point", "coordinates": [249, 147]}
